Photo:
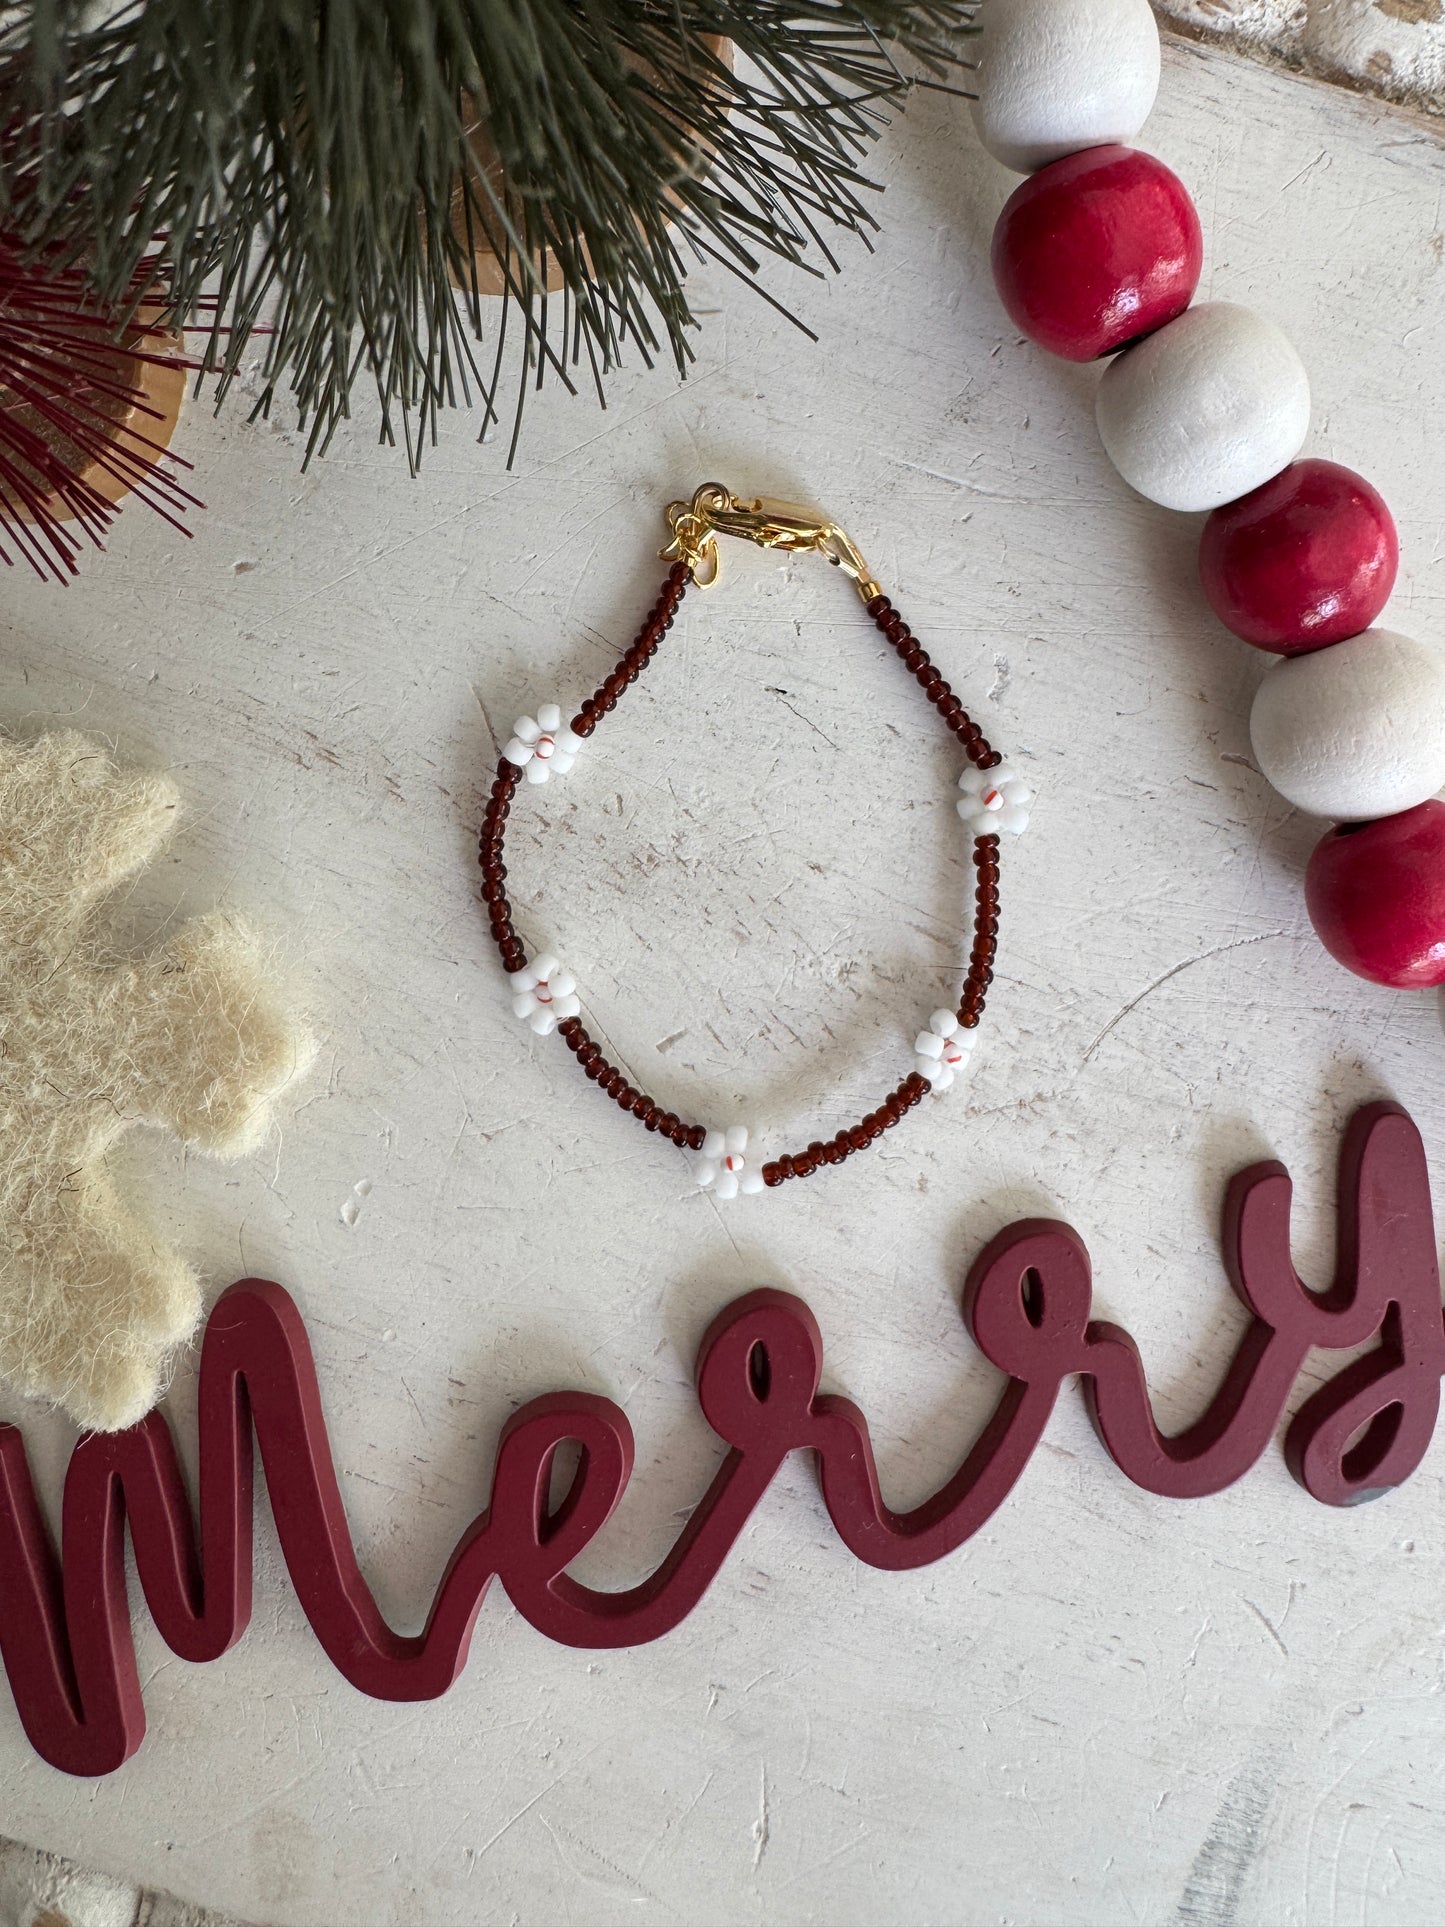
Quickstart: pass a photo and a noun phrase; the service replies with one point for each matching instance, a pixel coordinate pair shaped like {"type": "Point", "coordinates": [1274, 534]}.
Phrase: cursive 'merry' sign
{"type": "Point", "coordinates": [65, 1633]}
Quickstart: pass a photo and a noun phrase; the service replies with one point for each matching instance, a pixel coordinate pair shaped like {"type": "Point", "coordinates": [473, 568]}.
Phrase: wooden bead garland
{"type": "Point", "coordinates": [994, 801]}
{"type": "Point", "coordinates": [1206, 408]}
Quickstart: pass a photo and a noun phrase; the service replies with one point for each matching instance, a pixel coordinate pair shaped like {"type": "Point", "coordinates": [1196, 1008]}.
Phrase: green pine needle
{"type": "Point", "coordinates": [307, 165]}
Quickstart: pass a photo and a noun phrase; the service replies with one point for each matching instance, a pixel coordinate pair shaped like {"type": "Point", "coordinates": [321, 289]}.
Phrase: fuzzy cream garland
{"type": "Point", "coordinates": [188, 1035]}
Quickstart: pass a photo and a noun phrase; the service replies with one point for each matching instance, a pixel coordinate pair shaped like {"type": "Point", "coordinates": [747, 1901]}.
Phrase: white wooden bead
{"type": "Point", "coordinates": [1055, 76]}
{"type": "Point", "coordinates": [549, 717]}
{"type": "Point", "coordinates": [943, 1023]}
{"type": "Point", "coordinates": [1357, 730]}
{"type": "Point", "coordinates": [1210, 407]}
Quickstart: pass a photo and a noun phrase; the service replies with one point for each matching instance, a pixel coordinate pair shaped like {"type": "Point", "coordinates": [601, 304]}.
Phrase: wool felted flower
{"type": "Point", "coordinates": [188, 1035]}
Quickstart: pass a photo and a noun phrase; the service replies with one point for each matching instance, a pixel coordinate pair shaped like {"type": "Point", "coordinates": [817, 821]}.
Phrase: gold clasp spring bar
{"type": "Point", "coordinates": [715, 510]}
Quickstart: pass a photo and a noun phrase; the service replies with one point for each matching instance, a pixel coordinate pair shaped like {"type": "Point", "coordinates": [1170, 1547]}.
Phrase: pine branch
{"type": "Point", "coordinates": [327, 170]}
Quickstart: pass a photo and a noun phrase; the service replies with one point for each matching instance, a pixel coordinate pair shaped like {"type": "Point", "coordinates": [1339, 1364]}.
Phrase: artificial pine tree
{"type": "Point", "coordinates": [342, 180]}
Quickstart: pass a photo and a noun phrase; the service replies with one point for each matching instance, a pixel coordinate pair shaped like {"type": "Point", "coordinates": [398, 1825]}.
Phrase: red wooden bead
{"type": "Point", "coordinates": [1376, 897]}
{"type": "Point", "coordinates": [1307, 560]}
{"type": "Point", "coordinates": [1097, 250]}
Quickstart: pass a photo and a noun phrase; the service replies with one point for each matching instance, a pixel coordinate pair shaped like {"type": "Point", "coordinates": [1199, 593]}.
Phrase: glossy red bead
{"type": "Point", "coordinates": [1097, 250]}
{"type": "Point", "coordinates": [1307, 560]}
{"type": "Point", "coordinates": [1376, 897]}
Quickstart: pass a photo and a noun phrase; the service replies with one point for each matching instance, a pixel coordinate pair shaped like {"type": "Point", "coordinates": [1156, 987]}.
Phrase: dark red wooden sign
{"type": "Point", "coordinates": [64, 1622]}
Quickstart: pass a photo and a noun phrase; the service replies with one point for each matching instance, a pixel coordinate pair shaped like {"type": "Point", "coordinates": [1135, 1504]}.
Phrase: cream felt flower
{"type": "Point", "coordinates": [188, 1036]}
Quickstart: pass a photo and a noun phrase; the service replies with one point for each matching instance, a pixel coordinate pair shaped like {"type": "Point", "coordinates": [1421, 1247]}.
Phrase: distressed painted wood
{"type": "Point", "coordinates": [1105, 1708]}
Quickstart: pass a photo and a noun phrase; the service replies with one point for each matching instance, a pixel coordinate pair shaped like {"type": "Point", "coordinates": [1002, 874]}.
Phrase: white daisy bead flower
{"type": "Point", "coordinates": [723, 1168]}
{"type": "Point", "coordinates": [543, 994]}
{"type": "Point", "coordinates": [994, 800]}
{"type": "Point", "coordinates": [540, 746]}
{"type": "Point", "coordinates": [943, 1050]}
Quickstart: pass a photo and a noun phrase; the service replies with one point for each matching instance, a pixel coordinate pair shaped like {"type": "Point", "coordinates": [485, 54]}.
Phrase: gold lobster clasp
{"type": "Point", "coordinates": [714, 510]}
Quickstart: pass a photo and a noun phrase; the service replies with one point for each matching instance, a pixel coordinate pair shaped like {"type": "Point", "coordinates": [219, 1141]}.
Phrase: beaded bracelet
{"type": "Point", "coordinates": [994, 801]}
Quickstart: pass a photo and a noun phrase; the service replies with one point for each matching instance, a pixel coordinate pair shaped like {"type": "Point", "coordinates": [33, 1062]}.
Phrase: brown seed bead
{"type": "Point", "coordinates": [787, 1166]}
{"type": "Point", "coordinates": [831, 1153]}
{"type": "Point", "coordinates": [772, 1175]}
{"type": "Point", "coordinates": [817, 1151]}
{"type": "Point", "coordinates": [696, 1136]}
{"type": "Point", "coordinates": [858, 1137]}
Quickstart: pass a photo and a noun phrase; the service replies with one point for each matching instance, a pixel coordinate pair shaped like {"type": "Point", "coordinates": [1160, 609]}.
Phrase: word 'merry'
{"type": "Point", "coordinates": [65, 1634]}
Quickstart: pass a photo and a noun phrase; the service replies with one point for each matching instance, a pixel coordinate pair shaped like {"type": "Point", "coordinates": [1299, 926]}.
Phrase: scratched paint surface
{"type": "Point", "coordinates": [1107, 1708]}
{"type": "Point", "coordinates": [1395, 48]}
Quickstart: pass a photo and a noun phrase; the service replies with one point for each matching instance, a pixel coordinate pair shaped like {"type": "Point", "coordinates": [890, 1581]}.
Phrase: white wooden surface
{"type": "Point", "coordinates": [1107, 1708]}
